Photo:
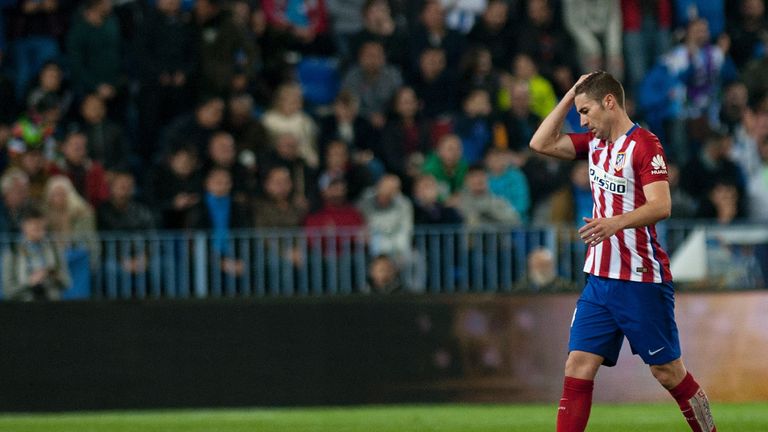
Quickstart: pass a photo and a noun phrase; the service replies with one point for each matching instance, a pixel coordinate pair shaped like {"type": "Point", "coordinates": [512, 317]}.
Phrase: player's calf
{"type": "Point", "coordinates": [694, 405]}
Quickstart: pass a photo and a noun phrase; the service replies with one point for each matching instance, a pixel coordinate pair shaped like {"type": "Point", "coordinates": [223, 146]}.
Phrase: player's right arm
{"type": "Point", "coordinates": [549, 138]}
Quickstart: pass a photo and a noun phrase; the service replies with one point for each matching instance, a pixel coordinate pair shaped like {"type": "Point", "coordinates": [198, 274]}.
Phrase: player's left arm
{"type": "Point", "coordinates": [658, 206]}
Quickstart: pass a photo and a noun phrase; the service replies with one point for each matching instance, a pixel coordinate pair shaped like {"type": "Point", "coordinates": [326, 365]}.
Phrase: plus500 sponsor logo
{"type": "Point", "coordinates": [607, 182]}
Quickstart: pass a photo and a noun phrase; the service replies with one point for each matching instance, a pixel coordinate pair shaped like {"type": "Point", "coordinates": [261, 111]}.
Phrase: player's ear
{"type": "Point", "coordinates": [608, 101]}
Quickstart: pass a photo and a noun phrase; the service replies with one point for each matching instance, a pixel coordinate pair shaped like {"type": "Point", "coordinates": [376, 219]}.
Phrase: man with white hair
{"type": "Point", "coordinates": [14, 186]}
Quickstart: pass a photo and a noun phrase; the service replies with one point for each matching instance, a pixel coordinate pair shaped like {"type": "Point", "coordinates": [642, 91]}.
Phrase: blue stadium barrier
{"type": "Point", "coordinates": [442, 260]}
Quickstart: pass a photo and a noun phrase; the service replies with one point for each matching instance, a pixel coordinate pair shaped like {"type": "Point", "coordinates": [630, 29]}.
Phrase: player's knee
{"type": "Point", "coordinates": [669, 374]}
{"type": "Point", "coordinates": [582, 365]}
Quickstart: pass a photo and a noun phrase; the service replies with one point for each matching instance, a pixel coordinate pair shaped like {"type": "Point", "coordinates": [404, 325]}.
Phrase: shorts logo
{"type": "Point", "coordinates": [654, 352]}
{"type": "Point", "coordinates": [658, 165]}
{"type": "Point", "coordinates": [619, 164]}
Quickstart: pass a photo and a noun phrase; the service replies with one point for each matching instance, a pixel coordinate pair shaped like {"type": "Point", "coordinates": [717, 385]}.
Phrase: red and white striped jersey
{"type": "Point", "coordinates": [617, 173]}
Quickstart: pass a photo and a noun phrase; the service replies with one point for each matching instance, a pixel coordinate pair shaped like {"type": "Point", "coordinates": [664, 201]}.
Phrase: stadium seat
{"type": "Point", "coordinates": [319, 79]}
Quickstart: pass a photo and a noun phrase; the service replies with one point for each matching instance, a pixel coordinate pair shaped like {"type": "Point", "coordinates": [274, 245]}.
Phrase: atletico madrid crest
{"type": "Point", "coordinates": [619, 164]}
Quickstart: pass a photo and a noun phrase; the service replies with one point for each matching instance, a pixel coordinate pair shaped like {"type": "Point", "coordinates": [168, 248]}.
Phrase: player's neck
{"type": "Point", "coordinates": [622, 126]}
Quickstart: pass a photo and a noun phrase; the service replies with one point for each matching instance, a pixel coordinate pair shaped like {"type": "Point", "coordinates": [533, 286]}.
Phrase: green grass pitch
{"type": "Point", "coordinates": [751, 417]}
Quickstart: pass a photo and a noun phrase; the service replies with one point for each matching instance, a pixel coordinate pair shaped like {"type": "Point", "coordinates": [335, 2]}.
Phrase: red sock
{"type": "Point", "coordinates": [573, 413]}
{"type": "Point", "coordinates": [694, 405]}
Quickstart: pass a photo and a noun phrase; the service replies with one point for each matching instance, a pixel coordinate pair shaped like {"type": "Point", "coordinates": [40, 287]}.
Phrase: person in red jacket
{"type": "Point", "coordinates": [305, 21]}
{"type": "Point", "coordinates": [87, 175]}
{"type": "Point", "coordinates": [337, 218]}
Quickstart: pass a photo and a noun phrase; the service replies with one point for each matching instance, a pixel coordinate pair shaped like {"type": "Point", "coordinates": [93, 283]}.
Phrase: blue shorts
{"type": "Point", "coordinates": [610, 309]}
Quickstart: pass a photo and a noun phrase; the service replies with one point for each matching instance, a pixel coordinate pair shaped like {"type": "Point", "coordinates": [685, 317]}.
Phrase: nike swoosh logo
{"type": "Point", "coordinates": [655, 352]}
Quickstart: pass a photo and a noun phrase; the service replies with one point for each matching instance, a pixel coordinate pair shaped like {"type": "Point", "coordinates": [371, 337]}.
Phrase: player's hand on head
{"type": "Point", "coordinates": [581, 80]}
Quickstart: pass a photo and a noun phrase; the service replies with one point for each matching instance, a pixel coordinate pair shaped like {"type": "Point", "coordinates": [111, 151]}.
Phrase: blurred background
{"type": "Point", "coordinates": [335, 198]}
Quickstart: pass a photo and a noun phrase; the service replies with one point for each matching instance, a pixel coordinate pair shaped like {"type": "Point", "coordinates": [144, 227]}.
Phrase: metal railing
{"type": "Point", "coordinates": [298, 262]}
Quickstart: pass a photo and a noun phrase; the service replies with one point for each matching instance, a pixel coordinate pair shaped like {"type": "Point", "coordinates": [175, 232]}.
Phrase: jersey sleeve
{"type": "Point", "coordinates": [581, 144]}
{"type": "Point", "coordinates": [651, 162]}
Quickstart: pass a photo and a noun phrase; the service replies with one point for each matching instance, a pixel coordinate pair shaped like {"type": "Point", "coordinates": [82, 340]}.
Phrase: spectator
{"type": "Point", "coordinates": [34, 28]}
{"type": "Point", "coordinates": [346, 19]}
{"type": "Point", "coordinates": [548, 44]}
{"type": "Point", "coordinates": [507, 181]}
{"type": "Point", "coordinates": [389, 217]}
{"type": "Point", "coordinates": [752, 131]}
{"type": "Point", "coordinates": [447, 166]}
{"type": "Point", "coordinates": [222, 47]}
{"type": "Point", "coordinates": [461, 15]}
{"type": "Point", "coordinates": [88, 176]}
{"type": "Point", "coordinates": [175, 186]}
{"type": "Point", "coordinates": [305, 20]}
{"type": "Point", "coordinates": [596, 28]}
{"type": "Point", "coordinates": [217, 209]}
{"type": "Point", "coordinates": [647, 35]}
{"type": "Point", "coordinates": [218, 212]}
{"type": "Point", "coordinates": [713, 11]}
{"type": "Point", "coordinates": [734, 106]}
{"type": "Point", "coordinates": [427, 209]}
{"type": "Point", "coordinates": [479, 206]}
{"type": "Point", "coordinates": [581, 193]}
{"type": "Point", "coordinates": [273, 65]}
{"type": "Point", "coordinates": [684, 206]}
{"type": "Point", "coordinates": [51, 82]}
{"type": "Point", "coordinates": [754, 74]}
{"type": "Point", "coordinates": [384, 276]}
{"type": "Point", "coordinates": [122, 212]}
{"type": "Point", "coordinates": [34, 268]}
{"type": "Point", "coordinates": [286, 117]}
{"type": "Point", "coordinates": [94, 50]}
{"type": "Point", "coordinates": [33, 164]}
{"type": "Point", "coordinates": [435, 85]}
{"type": "Point", "coordinates": [194, 129]}
{"type": "Point", "coordinates": [475, 125]}
{"type": "Point", "coordinates": [549, 183]}
{"type": "Point", "coordinates": [251, 138]}
{"type": "Point", "coordinates": [36, 128]}
{"type": "Point", "coordinates": [518, 124]}
{"type": "Point", "coordinates": [71, 218]}
{"type": "Point", "coordinates": [542, 275]}
{"type": "Point", "coordinates": [303, 178]}
{"type": "Point", "coordinates": [278, 208]}
{"type": "Point", "coordinates": [757, 187]}
{"type": "Point", "coordinates": [14, 186]}
{"type": "Point", "coordinates": [338, 166]}
{"type": "Point", "coordinates": [477, 72]}
{"type": "Point", "coordinates": [107, 143]}
{"type": "Point", "coordinates": [347, 126]}
{"type": "Point", "coordinates": [698, 67]}
{"type": "Point", "coordinates": [722, 203]}
{"type": "Point", "coordinates": [433, 32]}
{"type": "Point", "coordinates": [222, 154]}
{"type": "Point", "coordinates": [165, 57]}
{"type": "Point", "coordinates": [374, 81]}
{"type": "Point", "coordinates": [337, 217]}
{"type": "Point", "coordinates": [406, 134]}
{"type": "Point", "coordinates": [711, 167]}
{"type": "Point", "coordinates": [378, 24]}
{"type": "Point", "coordinates": [542, 93]}
{"type": "Point", "coordinates": [494, 32]}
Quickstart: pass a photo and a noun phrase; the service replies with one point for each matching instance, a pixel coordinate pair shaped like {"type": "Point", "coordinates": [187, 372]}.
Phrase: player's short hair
{"type": "Point", "coordinates": [600, 84]}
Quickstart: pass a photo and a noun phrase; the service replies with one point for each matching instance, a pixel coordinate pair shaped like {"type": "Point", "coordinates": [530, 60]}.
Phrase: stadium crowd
{"type": "Point", "coordinates": [385, 114]}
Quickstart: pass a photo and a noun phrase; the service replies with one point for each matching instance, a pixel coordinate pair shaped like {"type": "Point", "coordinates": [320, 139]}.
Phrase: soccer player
{"type": "Point", "coordinates": [629, 286]}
